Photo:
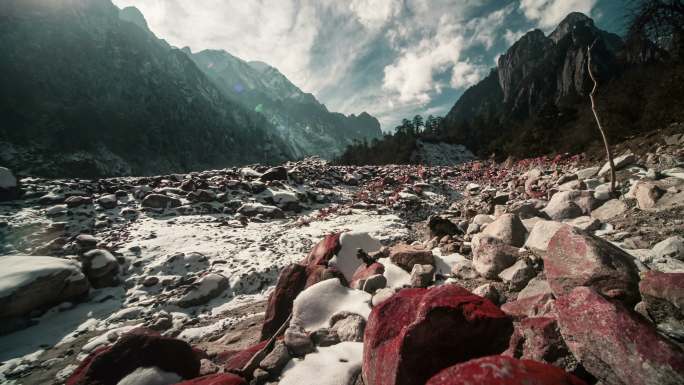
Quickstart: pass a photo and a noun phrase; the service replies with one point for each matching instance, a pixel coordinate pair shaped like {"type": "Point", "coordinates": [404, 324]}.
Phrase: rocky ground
{"type": "Point", "coordinates": [310, 273]}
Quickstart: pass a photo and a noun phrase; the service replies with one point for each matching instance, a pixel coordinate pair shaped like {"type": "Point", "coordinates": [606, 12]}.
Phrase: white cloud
{"type": "Point", "coordinates": [548, 13]}
{"type": "Point", "coordinates": [512, 37]}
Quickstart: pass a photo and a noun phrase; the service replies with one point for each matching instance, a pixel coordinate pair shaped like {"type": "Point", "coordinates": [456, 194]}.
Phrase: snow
{"type": "Point", "coordinates": [150, 376]}
{"type": "Point", "coordinates": [333, 365]}
{"type": "Point", "coordinates": [314, 307]}
{"type": "Point", "coordinates": [444, 263]}
{"type": "Point", "coordinates": [346, 260]}
{"type": "Point", "coordinates": [17, 271]}
{"type": "Point", "coordinates": [396, 276]}
{"type": "Point", "coordinates": [7, 179]}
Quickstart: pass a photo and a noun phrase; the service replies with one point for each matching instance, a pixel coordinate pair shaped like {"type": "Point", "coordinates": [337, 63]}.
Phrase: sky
{"type": "Point", "coordinates": [391, 58]}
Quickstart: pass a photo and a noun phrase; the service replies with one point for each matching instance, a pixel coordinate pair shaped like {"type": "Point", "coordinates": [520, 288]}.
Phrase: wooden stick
{"type": "Point", "coordinates": [609, 153]}
{"type": "Point", "coordinates": [247, 371]}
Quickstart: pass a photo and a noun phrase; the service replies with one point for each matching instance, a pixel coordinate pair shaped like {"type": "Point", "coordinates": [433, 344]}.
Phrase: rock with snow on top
{"type": "Point", "coordinates": [29, 283]}
{"type": "Point", "coordinates": [101, 268]}
{"type": "Point", "coordinates": [333, 365]}
{"type": "Point", "coordinates": [209, 287]}
{"type": "Point", "coordinates": [346, 260]}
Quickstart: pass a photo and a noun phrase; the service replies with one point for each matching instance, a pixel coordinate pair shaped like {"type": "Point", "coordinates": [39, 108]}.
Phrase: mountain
{"type": "Point", "coordinates": [536, 100]}
{"type": "Point", "coordinates": [303, 123]}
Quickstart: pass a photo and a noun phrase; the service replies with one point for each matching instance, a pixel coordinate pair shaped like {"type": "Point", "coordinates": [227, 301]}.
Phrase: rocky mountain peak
{"type": "Point", "coordinates": [133, 15]}
{"type": "Point", "coordinates": [570, 23]}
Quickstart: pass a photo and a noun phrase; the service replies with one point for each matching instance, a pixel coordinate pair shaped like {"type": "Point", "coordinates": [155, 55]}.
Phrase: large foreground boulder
{"type": "Point", "coordinates": [139, 349]}
{"type": "Point", "coordinates": [616, 345]}
{"type": "Point", "coordinates": [500, 370]}
{"type": "Point", "coordinates": [576, 258]}
{"type": "Point", "coordinates": [418, 332]}
{"type": "Point", "coordinates": [29, 283]}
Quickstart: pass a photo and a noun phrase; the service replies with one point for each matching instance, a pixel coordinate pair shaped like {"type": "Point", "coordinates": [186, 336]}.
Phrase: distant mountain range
{"type": "Point", "coordinates": [87, 90]}
{"type": "Point", "coordinates": [536, 100]}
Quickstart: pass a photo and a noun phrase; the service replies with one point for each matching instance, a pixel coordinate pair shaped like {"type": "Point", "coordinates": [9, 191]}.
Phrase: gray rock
{"type": "Point", "coordinates": [488, 291]}
{"type": "Point", "coordinates": [109, 201]}
{"type": "Point", "coordinates": [464, 270]}
{"type": "Point", "coordinates": [298, 341]}
{"type": "Point", "coordinates": [160, 201]}
{"type": "Point", "coordinates": [536, 286]}
{"type": "Point", "coordinates": [507, 228]}
{"type": "Point", "coordinates": [672, 247]}
{"type": "Point", "coordinates": [86, 242]}
{"type": "Point", "coordinates": [209, 287]}
{"type": "Point", "coordinates": [101, 268]}
{"type": "Point", "coordinates": [609, 210]}
{"type": "Point", "coordinates": [491, 256]}
{"type": "Point", "coordinates": [518, 275]}
{"type": "Point", "coordinates": [585, 223]}
{"type": "Point", "coordinates": [620, 162]}
{"type": "Point", "coordinates": [276, 360]}
{"type": "Point", "coordinates": [570, 204]}
{"type": "Point", "coordinates": [348, 326]}
{"type": "Point", "coordinates": [325, 337]}
{"type": "Point", "coordinates": [587, 173]}
{"type": "Point", "coordinates": [422, 275]}
{"type": "Point", "coordinates": [253, 209]}
{"type": "Point", "coordinates": [541, 234]}
{"type": "Point", "coordinates": [374, 283]}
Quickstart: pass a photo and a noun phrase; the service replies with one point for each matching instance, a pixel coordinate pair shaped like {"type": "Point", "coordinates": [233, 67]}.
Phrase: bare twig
{"type": "Point", "coordinates": [247, 371]}
{"type": "Point", "coordinates": [609, 153]}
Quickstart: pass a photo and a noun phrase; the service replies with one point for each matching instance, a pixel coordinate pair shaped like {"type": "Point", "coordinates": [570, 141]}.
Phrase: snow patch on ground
{"type": "Point", "coordinates": [395, 275]}
{"type": "Point", "coordinates": [333, 365]}
{"type": "Point", "coordinates": [346, 260]}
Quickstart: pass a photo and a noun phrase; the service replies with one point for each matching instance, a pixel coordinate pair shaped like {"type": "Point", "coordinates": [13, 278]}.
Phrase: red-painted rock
{"type": "Point", "coordinates": [539, 339]}
{"type": "Point", "coordinates": [616, 345]}
{"type": "Point", "coordinates": [405, 256]}
{"type": "Point", "coordinates": [418, 332]}
{"type": "Point", "coordinates": [140, 348]}
{"type": "Point", "coordinates": [539, 305]}
{"type": "Point", "coordinates": [324, 250]}
{"type": "Point", "coordinates": [291, 282]}
{"type": "Point", "coordinates": [363, 272]}
{"type": "Point", "coordinates": [663, 286]}
{"type": "Point", "coordinates": [501, 370]}
{"type": "Point", "coordinates": [237, 360]}
{"type": "Point", "coordinates": [576, 258]}
{"type": "Point", "coordinates": [216, 379]}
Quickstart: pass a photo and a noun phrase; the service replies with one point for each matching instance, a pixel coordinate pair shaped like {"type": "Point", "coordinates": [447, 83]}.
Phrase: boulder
{"type": "Point", "coordinates": [663, 286]}
{"type": "Point", "coordinates": [160, 201]}
{"type": "Point", "coordinates": [672, 247]}
{"type": "Point", "coordinates": [139, 348]}
{"type": "Point", "coordinates": [202, 196]}
{"type": "Point", "coordinates": [77, 201]}
{"type": "Point", "coordinates": [101, 268]}
{"type": "Point", "coordinates": [539, 339]}
{"type": "Point", "coordinates": [298, 341]}
{"type": "Point", "coordinates": [31, 283]}
{"type": "Point", "coordinates": [647, 194]}
{"type": "Point", "coordinates": [418, 332]}
{"type": "Point", "coordinates": [491, 256]}
{"type": "Point", "coordinates": [209, 287]}
{"type": "Point", "coordinates": [291, 282]}
{"type": "Point", "coordinates": [507, 228]}
{"type": "Point", "coordinates": [570, 204]}
{"type": "Point", "coordinates": [536, 286]}
{"type": "Point", "coordinates": [364, 272]}
{"type": "Point", "coordinates": [275, 361]}
{"type": "Point", "coordinates": [519, 274]}
{"type": "Point", "coordinates": [538, 305]}
{"type": "Point", "coordinates": [540, 236]}
{"type": "Point", "coordinates": [611, 341]}
{"type": "Point", "coordinates": [439, 227]}
{"type": "Point", "coordinates": [609, 210]}
{"type": "Point", "coordinates": [86, 242]}
{"type": "Point", "coordinates": [576, 258]}
{"type": "Point", "coordinates": [501, 370]}
{"type": "Point", "coordinates": [405, 256]}
{"type": "Point", "coordinates": [620, 162]}
{"type": "Point", "coordinates": [348, 326]}
{"type": "Point", "coordinates": [422, 275]}
{"type": "Point", "coordinates": [274, 173]}
{"type": "Point", "coordinates": [375, 283]}
{"type": "Point", "coordinates": [489, 291]}
{"type": "Point", "coordinates": [585, 223]}
{"type": "Point", "coordinates": [108, 201]}
{"type": "Point", "coordinates": [254, 209]}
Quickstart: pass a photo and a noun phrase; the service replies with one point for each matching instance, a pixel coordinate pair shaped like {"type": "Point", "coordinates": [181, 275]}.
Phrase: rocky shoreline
{"type": "Point", "coordinates": [310, 273]}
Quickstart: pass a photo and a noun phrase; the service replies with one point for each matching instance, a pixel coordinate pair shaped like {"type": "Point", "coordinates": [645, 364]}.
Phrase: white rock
{"type": "Point", "coordinates": [620, 162]}
{"type": "Point", "coordinates": [541, 234]}
{"type": "Point", "coordinates": [609, 210]}
{"type": "Point", "coordinates": [314, 307]}
{"type": "Point", "coordinates": [331, 365]}
{"type": "Point", "coordinates": [672, 247]}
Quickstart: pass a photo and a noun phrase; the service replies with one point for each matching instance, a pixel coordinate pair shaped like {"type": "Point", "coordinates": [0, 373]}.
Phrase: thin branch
{"type": "Point", "coordinates": [609, 153]}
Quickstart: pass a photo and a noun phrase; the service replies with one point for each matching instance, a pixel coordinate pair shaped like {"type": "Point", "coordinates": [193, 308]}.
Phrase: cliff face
{"type": "Point", "coordinates": [537, 74]}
